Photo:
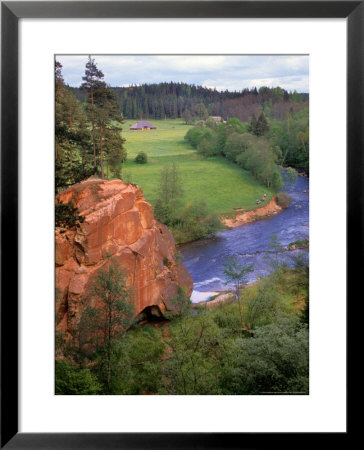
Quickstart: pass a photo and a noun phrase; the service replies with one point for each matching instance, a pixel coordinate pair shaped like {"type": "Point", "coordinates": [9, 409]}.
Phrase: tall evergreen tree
{"type": "Point", "coordinates": [72, 137]}
{"type": "Point", "coordinates": [261, 126]}
{"type": "Point", "coordinates": [108, 121]}
{"type": "Point", "coordinates": [93, 81]}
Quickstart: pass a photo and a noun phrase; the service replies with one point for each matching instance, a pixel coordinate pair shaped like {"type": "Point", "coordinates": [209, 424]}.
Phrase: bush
{"type": "Point", "coordinates": [141, 158]}
{"type": "Point", "coordinates": [284, 200]}
{"type": "Point", "coordinates": [194, 222]}
{"type": "Point", "coordinates": [73, 381]}
{"type": "Point", "coordinates": [194, 136]}
{"type": "Point", "coordinates": [66, 215]}
{"type": "Point", "coordinates": [274, 360]}
{"type": "Point", "coordinates": [206, 146]}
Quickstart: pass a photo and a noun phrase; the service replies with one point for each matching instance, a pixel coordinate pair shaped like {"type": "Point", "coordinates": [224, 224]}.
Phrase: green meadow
{"type": "Point", "coordinates": [218, 182]}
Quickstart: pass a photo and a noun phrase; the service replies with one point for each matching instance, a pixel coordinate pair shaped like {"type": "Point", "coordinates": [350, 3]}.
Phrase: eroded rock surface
{"type": "Point", "coordinates": [118, 222]}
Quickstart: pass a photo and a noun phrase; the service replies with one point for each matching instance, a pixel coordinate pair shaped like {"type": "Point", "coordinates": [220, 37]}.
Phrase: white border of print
{"type": "Point", "coordinates": [325, 408]}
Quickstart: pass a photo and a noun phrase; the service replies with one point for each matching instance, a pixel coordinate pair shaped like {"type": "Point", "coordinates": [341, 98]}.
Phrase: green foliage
{"type": "Point", "coordinates": [170, 194]}
{"type": "Point", "coordinates": [73, 158]}
{"type": "Point", "coordinates": [274, 360]}
{"type": "Point", "coordinates": [180, 100]}
{"type": "Point", "coordinates": [249, 151]}
{"type": "Point", "coordinates": [115, 151]}
{"type": "Point", "coordinates": [66, 215]}
{"type": "Point", "coordinates": [87, 134]}
{"type": "Point", "coordinates": [284, 200]}
{"type": "Point", "coordinates": [113, 369]}
{"type": "Point", "coordinates": [236, 144]}
{"type": "Point", "coordinates": [141, 158]}
{"type": "Point", "coordinates": [187, 116]}
{"type": "Point", "coordinates": [291, 135]}
{"type": "Point", "coordinates": [290, 176]}
{"type": "Point", "coordinates": [227, 318]}
{"type": "Point", "coordinates": [105, 119]}
{"type": "Point", "coordinates": [259, 158]}
{"type": "Point", "coordinates": [194, 136]}
{"type": "Point", "coordinates": [211, 123]}
{"type": "Point", "coordinates": [207, 144]}
{"type": "Point", "coordinates": [116, 308]}
{"type": "Point", "coordinates": [226, 129]}
{"type": "Point", "coordinates": [181, 304]}
{"type": "Point", "coordinates": [263, 307]}
{"type": "Point", "coordinates": [236, 273]}
{"type": "Point", "coordinates": [145, 351]}
{"type": "Point", "coordinates": [208, 353]}
{"type": "Point", "coordinates": [301, 243]}
{"type": "Point", "coordinates": [106, 324]}
{"type": "Point", "coordinates": [259, 127]}
{"type": "Point", "coordinates": [200, 111]}
{"type": "Point", "coordinates": [71, 380]}
{"type": "Point", "coordinates": [194, 362]}
{"type": "Point", "coordinates": [194, 221]}
{"type": "Point", "coordinates": [127, 176]}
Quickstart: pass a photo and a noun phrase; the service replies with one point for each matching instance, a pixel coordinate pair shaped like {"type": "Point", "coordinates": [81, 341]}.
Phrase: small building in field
{"type": "Point", "coordinates": [142, 125]}
{"type": "Point", "coordinates": [216, 118]}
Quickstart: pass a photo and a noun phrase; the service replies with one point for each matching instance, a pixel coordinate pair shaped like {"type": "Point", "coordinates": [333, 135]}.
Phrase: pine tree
{"type": "Point", "coordinates": [72, 136]}
{"type": "Point", "coordinates": [108, 120]}
{"type": "Point", "coordinates": [261, 126]}
{"type": "Point", "coordinates": [115, 312]}
{"type": "Point", "coordinates": [116, 152]}
{"type": "Point", "coordinates": [93, 81]}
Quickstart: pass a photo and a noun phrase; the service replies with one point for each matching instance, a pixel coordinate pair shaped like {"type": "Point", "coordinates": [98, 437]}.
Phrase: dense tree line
{"type": "Point", "coordinates": [259, 146]}
{"type": "Point", "coordinates": [252, 150]}
{"type": "Point", "coordinates": [88, 133]}
{"type": "Point", "coordinates": [191, 102]}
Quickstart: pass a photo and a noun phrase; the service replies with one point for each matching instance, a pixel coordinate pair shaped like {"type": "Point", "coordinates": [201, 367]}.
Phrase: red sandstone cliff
{"type": "Point", "coordinates": [118, 222]}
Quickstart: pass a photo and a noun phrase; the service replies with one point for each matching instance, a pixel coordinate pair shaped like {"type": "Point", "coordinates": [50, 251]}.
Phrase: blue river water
{"type": "Point", "coordinates": [249, 244]}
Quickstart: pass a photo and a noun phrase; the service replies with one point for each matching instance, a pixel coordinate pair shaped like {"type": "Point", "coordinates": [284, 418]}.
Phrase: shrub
{"type": "Point", "coordinates": [284, 200]}
{"type": "Point", "coordinates": [194, 222]}
{"type": "Point", "coordinates": [66, 215]}
{"type": "Point", "coordinates": [193, 136]}
{"type": "Point", "coordinates": [71, 380]}
{"type": "Point", "coordinates": [207, 147]}
{"type": "Point", "coordinates": [141, 158]}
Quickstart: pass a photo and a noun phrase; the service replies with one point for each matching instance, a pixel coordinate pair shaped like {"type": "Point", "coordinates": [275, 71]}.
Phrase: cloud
{"type": "Point", "coordinates": [232, 72]}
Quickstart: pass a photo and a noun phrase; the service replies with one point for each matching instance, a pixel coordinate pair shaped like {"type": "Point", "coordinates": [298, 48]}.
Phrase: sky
{"type": "Point", "coordinates": [231, 72]}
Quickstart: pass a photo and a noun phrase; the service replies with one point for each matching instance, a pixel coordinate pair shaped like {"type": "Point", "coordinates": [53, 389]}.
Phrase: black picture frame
{"type": "Point", "coordinates": [11, 12]}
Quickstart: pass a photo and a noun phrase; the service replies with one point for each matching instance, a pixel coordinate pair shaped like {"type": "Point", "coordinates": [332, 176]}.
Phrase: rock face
{"type": "Point", "coordinates": [118, 222]}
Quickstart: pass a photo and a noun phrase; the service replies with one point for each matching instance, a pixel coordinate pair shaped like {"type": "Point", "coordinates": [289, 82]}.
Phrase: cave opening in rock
{"type": "Point", "coordinates": [152, 314]}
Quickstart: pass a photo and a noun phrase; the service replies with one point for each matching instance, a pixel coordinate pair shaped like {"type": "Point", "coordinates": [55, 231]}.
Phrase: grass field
{"type": "Point", "coordinates": [221, 184]}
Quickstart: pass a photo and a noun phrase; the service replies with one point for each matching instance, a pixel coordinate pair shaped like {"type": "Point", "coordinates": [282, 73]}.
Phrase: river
{"type": "Point", "coordinates": [248, 243]}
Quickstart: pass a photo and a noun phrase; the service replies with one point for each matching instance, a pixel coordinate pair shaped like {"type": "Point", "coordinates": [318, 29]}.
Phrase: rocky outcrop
{"type": "Point", "coordinates": [118, 222]}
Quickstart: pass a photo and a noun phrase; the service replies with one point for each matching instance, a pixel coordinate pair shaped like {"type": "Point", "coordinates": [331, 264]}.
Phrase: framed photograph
{"type": "Point", "coordinates": [165, 128]}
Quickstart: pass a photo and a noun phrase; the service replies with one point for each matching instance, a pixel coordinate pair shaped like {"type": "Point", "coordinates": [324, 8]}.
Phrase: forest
{"type": "Point", "coordinates": [180, 100]}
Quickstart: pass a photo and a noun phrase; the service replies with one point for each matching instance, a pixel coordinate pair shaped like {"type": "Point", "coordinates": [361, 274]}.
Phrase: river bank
{"type": "Point", "coordinates": [250, 244]}
{"type": "Point", "coordinates": [253, 215]}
